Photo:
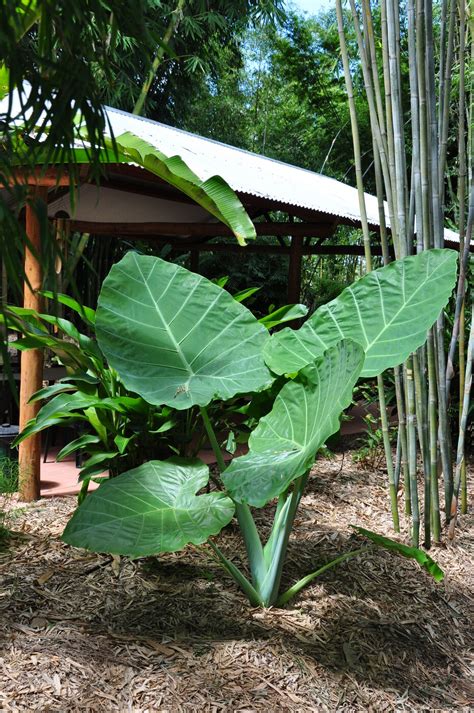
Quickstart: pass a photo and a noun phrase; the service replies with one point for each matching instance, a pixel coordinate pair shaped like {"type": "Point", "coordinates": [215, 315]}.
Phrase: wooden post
{"type": "Point", "coordinates": [294, 269]}
{"type": "Point", "coordinates": [31, 361]}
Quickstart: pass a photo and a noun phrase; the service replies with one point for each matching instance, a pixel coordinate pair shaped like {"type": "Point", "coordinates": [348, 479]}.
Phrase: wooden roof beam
{"type": "Point", "coordinates": [208, 230]}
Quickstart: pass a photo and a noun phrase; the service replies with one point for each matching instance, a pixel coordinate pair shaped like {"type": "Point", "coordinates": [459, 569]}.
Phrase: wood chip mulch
{"type": "Point", "coordinates": [86, 632]}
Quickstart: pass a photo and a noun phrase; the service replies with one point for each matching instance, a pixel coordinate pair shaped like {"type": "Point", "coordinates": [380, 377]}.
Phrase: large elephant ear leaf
{"type": "Point", "coordinates": [215, 195]}
{"type": "Point", "coordinates": [153, 508]}
{"type": "Point", "coordinates": [175, 338]}
{"type": "Point", "coordinates": [388, 312]}
{"type": "Point", "coordinates": [306, 412]}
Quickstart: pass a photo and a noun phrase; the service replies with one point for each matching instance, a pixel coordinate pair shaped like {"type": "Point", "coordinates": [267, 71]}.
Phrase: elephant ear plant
{"type": "Point", "coordinates": [179, 340]}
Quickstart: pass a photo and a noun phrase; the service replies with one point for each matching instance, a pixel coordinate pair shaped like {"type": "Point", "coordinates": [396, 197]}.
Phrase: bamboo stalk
{"type": "Point", "coordinates": [423, 437]}
{"type": "Point", "coordinates": [355, 134]}
{"type": "Point", "coordinates": [398, 461]}
{"type": "Point", "coordinates": [388, 108]}
{"type": "Point", "coordinates": [438, 230]}
{"type": "Point", "coordinates": [365, 226]}
{"type": "Point", "coordinates": [433, 438]}
{"type": "Point", "coordinates": [462, 172]}
{"type": "Point", "coordinates": [462, 429]}
{"type": "Point", "coordinates": [411, 431]}
{"type": "Point", "coordinates": [396, 11]}
{"type": "Point", "coordinates": [460, 292]}
{"type": "Point", "coordinates": [388, 454]}
{"type": "Point", "coordinates": [372, 56]}
{"type": "Point", "coordinates": [444, 96]}
{"type": "Point", "coordinates": [444, 435]}
{"type": "Point", "coordinates": [399, 393]}
{"type": "Point", "coordinates": [375, 127]}
{"type": "Point", "coordinates": [415, 131]}
{"type": "Point", "coordinates": [425, 217]}
{"type": "Point", "coordinates": [170, 30]}
{"type": "Point", "coordinates": [381, 206]}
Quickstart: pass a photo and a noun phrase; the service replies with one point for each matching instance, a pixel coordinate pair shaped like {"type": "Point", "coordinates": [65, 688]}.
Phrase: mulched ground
{"type": "Point", "coordinates": [85, 632]}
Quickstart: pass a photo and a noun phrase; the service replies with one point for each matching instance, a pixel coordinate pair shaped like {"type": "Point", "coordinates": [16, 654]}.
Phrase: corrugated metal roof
{"type": "Point", "coordinates": [252, 173]}
{"type": "Point", "coordinates": [248, 172]}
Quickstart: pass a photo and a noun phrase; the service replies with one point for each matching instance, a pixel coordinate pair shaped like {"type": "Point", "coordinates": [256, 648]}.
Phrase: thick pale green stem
{"type": "Point", "coordinates": [249, 591]}
{"type": "Point", "coordinates": [248, 528]}
{"type": "Point", "coordinates": [269, 587]}
{"type": "Point", "coordinates": [290, 593]}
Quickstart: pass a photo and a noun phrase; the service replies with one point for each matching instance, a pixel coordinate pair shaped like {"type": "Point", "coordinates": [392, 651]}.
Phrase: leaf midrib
{"type": "Point", "coordinates": [163, 321]}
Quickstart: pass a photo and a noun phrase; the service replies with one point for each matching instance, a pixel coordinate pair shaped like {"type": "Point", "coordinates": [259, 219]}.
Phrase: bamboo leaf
{"type": "Point", "coordinates": [388, 312]}
{"type": "Point", "coordinates": [150, 509]}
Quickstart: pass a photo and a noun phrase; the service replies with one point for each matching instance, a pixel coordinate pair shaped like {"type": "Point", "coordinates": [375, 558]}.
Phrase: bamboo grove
{"type": "Point", "coordinates": [410, 130]}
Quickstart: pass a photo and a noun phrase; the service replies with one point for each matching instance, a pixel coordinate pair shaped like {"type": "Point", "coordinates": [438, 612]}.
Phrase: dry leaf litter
{"type": "Point", "coordinates": [87, 632]}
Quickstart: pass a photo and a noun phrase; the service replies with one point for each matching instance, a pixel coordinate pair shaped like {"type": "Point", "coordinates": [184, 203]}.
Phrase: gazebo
{"type": "Point", "coordinates": [132, 202]}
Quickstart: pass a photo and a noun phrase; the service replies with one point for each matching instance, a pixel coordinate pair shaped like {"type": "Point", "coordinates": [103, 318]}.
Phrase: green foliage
{"type": "Point", "coordinates": [117, 429]}
{"type": "Point", "coordinates": [423, 559]}
{"type": "Point", "coordinates": [161, 506]}
{"type": "Point", "coordinates": [9, 476]}
{"type": "Point", "coordinates": [370, 452]}
{"type": "Point", "coordinates": [288, 93]}
{"type": "Point", "coordinates": [9, 473]}
{"type": "Point", "coordinates": [210, 347]}
{"type": "Point", "coordinates": [189, 55]}
{"type": "Point", "coordinates": [305, 413]}
{"type": "Point", "coordinates": [56, 46]}
{"type": "Point", "coordinates": [388, 312]}
{"type": "Point", "coordinates": [155, 508]}
{"type": "Point", "coordinates": [215, 195]}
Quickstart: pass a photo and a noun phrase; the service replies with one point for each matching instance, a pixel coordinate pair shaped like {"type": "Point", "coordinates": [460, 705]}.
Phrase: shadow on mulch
{"type": "Point", "coordinates": [379, 622]}
{"type": "Point", "coordinates": [376, 631]}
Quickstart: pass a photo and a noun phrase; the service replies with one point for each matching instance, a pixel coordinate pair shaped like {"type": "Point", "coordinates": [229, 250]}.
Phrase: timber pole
{"type": "Point", "coordinates": [294, 269]}
{"type": "Point", "coordinates": [31, 360]}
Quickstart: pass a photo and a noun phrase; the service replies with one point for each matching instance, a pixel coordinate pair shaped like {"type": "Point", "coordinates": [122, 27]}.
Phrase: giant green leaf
{"type": "Point", "coordinates": [215, 195]}
{"type": "Point", "coordinates": [175, 338]}
{"type": "Point", "coordinates": [151, 509]}
{"type": "Point", "coordinates": [306, 412]}
{"type": "Point", "coordinates": [388, 312]}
